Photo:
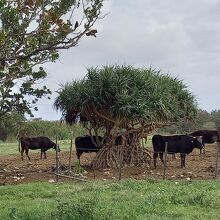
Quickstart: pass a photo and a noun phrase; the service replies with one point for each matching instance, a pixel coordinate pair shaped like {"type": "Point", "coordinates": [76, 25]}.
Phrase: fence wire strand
{"type": "Point", "coordinates": [168, 170]}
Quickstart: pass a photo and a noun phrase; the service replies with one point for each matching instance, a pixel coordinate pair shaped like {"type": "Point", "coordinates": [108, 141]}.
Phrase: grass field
{"type": "Point", "coordinates": [107, 200]}
{"type": "Point", "coordinates": [12, 148]}
{"type": "Point", "coordinates": [128, 199]}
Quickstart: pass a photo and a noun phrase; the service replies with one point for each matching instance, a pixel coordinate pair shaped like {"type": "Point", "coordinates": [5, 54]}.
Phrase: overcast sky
{"type": "Point", "coordinates": [181, 38]}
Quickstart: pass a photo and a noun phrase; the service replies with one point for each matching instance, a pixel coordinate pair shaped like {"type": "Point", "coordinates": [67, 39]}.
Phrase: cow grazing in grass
{"type": "Point", "coordinates": [208, 137]}
{"type": "Point", "coordinates": [34, 143]}
{"type": "Point", "coordinates": [183, 144]}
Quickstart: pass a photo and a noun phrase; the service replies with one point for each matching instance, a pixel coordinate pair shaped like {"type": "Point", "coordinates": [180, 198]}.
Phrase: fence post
{"type": "Point", "coordinates": [71, 147]}
{"type": "Point", "coordinates": [57, 161]}
{"type": "Point", "coordinates": [93, 169]}
{"type": "Point", "coordinates": [165, 161]}
{"type": "Point", "coordinates": [217, 155]}
{"type": "Point", "coordinates": [120, 163]}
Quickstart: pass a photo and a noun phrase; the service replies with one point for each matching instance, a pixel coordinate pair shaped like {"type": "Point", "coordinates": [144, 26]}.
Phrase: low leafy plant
{"type": "Point", "coordinates": [72, 210]}
{"type": "Point", "coordinates": [13, 214]}
{"type": "Point", "coordinates": [78, 169]}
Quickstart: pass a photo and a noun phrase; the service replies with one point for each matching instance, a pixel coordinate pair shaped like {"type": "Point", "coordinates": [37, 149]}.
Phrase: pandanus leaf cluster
{"type": "Point", "coordinates": [127, 98]}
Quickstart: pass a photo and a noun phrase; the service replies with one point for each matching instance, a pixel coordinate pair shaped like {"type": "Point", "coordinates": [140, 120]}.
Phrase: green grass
{"type": "Point", "coordinates": [12, 148]}
{"type": "Point", "coordinates": [8, 148]}
{"type": "Point", "coordinates": [98, 200]}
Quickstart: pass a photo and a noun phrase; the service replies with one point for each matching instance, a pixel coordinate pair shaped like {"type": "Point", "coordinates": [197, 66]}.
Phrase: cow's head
{"type": "Point", "coordinates": [198, 142]}
{"type": "Point", "coordinates": [58, 147]}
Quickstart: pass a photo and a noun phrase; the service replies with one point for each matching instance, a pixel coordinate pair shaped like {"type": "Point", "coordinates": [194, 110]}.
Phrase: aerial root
{"type": "Point", "coordinates": [117, 156]}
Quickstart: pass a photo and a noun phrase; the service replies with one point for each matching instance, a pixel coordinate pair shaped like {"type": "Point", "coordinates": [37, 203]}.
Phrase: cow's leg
{"type": "Point", "coordinates": [174, 156]}
{"type": "Point", "coordinates": [161, 157]}
{"type": "Point", "coordinates": [202, 151]}
{"type": "Point", "coordinates": [171, 157]}
{"type": "Point", "coordinates": [26, 152]}
{"type": "Point", "coordinates": [45, 156]}
{"type": "Point", "coordinates": [41, 154]}
{"type": "Point", "coordinates": [22, 154]}
{"type": "Point", "coordinates": [203, 148]}
{"type": "Point", "coordinates": [183, 160]}
{"type": "Point", "coordinates": [155, 159]}
{"type": "Point", "coordinates": [78, 154]}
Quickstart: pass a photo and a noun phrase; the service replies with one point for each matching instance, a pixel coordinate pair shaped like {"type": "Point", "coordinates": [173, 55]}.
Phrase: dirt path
{"type": "Point", "coordinates": [14, 171]}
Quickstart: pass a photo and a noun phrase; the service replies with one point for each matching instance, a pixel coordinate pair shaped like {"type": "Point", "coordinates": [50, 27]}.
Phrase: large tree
{"type": "Point", "coordinates": [127, 102]}
{"type": "Point", "coordinates": [31, 33]}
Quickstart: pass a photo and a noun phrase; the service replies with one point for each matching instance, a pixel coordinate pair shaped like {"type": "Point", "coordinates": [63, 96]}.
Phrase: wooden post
{"type": "Point", "coordinates": [165, 161]}
{"type": "Point", "coordinates": [217, 155]}
{"type": "Point", "coordinates": [92, 166]}
{"type": "Point", "coordinates": [120, 163]}
{"type": "Point", "coordinates": [71, 147]}
{"type": "Point", "coordinates": [123, 142]}
{"type": "Point", "coordinates": [57, 161]}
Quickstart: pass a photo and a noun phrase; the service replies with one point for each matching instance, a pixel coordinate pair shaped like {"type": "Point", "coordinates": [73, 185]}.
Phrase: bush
{"type": "Point", "coordinates": [70, 210]}
{"type": "Point", "coordinates": [51, 129]}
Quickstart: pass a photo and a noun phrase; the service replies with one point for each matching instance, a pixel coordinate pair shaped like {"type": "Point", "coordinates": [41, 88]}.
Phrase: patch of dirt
{"type": "Point", "coordinates": [15, 171]}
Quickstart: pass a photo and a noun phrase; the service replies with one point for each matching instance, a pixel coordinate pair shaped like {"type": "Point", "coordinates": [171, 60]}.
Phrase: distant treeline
{"type": "Point", "coordinates": [204, 120]}
{"type": "Point", "coordinates": [13, 124]}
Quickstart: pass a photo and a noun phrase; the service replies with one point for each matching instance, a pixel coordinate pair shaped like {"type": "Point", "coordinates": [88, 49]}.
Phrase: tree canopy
{"type": "Point", "coordinates": [126, 97]}
{"type": "Point", "coordinates": [31, 33]}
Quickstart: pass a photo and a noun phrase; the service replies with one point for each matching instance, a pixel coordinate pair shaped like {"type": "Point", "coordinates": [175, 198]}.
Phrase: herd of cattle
{"type": "Point", "coordinates": [183, 144]}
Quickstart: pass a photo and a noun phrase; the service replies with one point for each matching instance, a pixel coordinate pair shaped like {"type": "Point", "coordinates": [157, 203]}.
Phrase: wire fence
{"type": "Point", "coordinates": [168, 165]}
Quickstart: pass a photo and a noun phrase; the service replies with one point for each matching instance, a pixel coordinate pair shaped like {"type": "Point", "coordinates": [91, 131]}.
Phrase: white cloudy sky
{"type": "Point", "coordinates": [177, 37]}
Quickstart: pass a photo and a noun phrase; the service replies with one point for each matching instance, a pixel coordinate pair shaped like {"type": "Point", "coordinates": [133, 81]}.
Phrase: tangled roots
{"type": "Point", "coordinates": [117, 156]}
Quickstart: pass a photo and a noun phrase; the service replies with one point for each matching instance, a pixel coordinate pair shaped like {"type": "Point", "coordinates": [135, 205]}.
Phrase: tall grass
{"type": "Point", "coordinates": [128, 199]}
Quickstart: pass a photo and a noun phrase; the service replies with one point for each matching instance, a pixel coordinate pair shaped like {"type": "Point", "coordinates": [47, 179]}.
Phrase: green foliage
{"type": "Point", "coordinates": [78, 169]}
{"type": "Point", "coordinates": [80, 211]}
{"type": "Point", "coordinates": [13, 125]}
{"type": "Point", "coordinates": [13, 214]}
{"type": "Point", "coordinates": [204, 120]}
{"type": "Point", "coordinates": [215, 115]}
{"type": "Point", "coordinates": [32, 33]}
{"type": "Point", "coordinates": [9, 125]}
{"type": "Point", "coordinates": [51, 129]}
{"type": "Point", "coordinates": [125, 96]}
{"type": "Point", "coordinates": [99, 200]}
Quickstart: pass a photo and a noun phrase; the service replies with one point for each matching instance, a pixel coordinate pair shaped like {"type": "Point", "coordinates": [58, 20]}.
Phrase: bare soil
{"type": "Point", "coordinates": [15, 171]}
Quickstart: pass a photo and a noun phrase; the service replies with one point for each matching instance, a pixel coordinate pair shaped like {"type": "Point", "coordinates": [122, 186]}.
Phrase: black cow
{"type": "Point", "coordinates": [34, 143]}
{"type": "Point", "coordinates": [86, 144]}
{"type": "Point", "coordinates": [183, 144]}
{"type": "Point", "coordinates": [208, 137]}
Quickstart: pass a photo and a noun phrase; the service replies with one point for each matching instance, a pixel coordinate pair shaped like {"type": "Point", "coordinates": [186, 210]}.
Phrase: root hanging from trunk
{"type": "Point", "coordinates": [116, 156]}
